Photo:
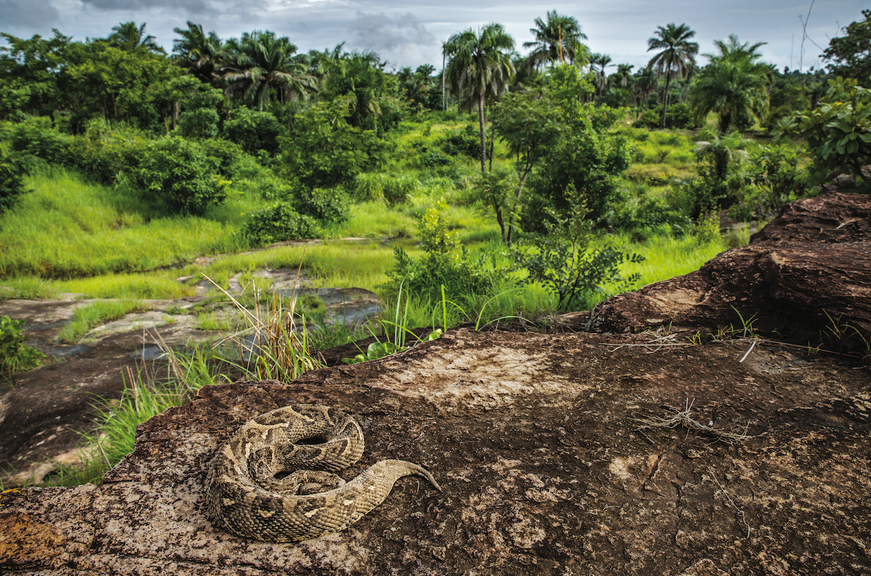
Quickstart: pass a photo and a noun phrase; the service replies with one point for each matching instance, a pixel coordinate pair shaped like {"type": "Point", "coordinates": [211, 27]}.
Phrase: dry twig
{"type": "Point", "coordinates": [683, 418]}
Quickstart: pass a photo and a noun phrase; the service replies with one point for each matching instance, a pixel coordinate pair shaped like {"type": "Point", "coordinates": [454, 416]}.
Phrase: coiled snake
{"type": "Point", "coordinates": [266, 483]}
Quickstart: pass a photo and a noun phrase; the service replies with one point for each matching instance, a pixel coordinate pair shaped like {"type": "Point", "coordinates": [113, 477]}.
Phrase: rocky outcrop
{"type": "Point", "coordinates": [549, 460]}
{"type": "Point", "coordinates": [806, 277]}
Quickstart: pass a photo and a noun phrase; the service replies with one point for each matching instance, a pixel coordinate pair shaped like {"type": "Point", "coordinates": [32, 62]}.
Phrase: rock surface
{"type": "Point", "coordinates": [805, 275]}
{"type": "Point", "coordinates": [536, 442]}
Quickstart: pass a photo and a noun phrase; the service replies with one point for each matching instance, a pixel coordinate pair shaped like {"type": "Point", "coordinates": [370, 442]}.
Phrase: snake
{"type": "Point", "coordinates": [274, 480]}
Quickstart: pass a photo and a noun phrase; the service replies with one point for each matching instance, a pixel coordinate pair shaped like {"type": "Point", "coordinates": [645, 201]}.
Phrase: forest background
{"type": "Point", "coordinates": [512, 184]}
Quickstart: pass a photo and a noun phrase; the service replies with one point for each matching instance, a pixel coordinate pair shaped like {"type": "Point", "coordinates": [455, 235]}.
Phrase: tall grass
{"type": "Point", "coordinates": [69, 228]}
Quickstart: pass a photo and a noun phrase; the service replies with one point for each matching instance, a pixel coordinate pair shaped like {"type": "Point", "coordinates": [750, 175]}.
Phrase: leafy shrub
{"type": "Point", "coordinates": [838, 131]}
{"type": "Point", "coordinates": [13, 168]}
{"type": "Point", "coordinates": [179, 176]}
{"type": "Point", "coordinates": [105, 152]}
{"type": "Point", "coordinates": [199, 123]}
{"type": "Point", "coordinates": [329, 206]}
{"type": "Point", "coordinates": [650, 212]}
{"type": "Point", "coordinates": [443, 264]}
{"type": "Point", "coordinates": [465, 142]}
{"type": "Point", "coordinates": [253, 130]}
{"type": "Point", "coordinates": [275, 224]}
{"type": "Point", "coordinates": [565, 264]}
{"type": "Point", "coordinates": [14, 355]}
{"type": "Point", "coordinates": [36, 136]}
{"type": "Point", "coordinates": [678, 117]}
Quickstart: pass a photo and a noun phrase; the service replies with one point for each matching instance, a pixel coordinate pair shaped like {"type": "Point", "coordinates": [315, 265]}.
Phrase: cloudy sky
{"type": "Point", "coordinates": [410, 33]}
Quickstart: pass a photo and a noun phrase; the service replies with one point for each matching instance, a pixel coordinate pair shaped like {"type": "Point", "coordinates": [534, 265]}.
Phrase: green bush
{"type": "Point", "coordinates": [443, 264]}
{"type": "Point", "coordinates": [252, 130]}
{"type": "Point", "coordinates": [650, 213]}
{"type": "Point", "coordinates": [465, 142]}
{"type": "Point", "coordinates": [329, 206]}
{"type": "Point", "coordinates": [276, 224]}
{"type": "Point", "coordinates": [13, 169]}
{"type": "Point", "coordinates": [36, 136]}
{"type": "Point", "coordinates": [199, 123]}
{"type": "Point", "coordinates": [14, 355]}
{"type": "Point", "coordinates": [383, 187]}
{"type": "Point", "coordinates": [678, 117]}
{"type": "Point", "coordinates": [180, 177]}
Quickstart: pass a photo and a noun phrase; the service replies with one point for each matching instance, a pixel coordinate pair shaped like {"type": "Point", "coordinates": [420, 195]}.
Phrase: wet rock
{"type": "Point", "coordinates": [537, 443]}
{"type": "Point", "coordinates": [804, 276]}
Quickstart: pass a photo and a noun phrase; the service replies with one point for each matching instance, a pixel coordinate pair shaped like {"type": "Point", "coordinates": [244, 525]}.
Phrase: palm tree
{"type": "Point", "coordinates": [734, 85]}
{"type": "Point", "coordinates": [261, 64]}
{"type": "Point", "coordinates": [199, 53]}
{"type": "Point", "coordinates": [598, 63]}
{"type": "Point", "coordinates": [130, 37]}
{"type": "Point", "coordinates": [556, 40]}
{"type": "Point", "coordinates": [677, 56]}
{"type": "Point", "coordinates": [480, 70]}
{"type": "Point", "coordinates": [645, 84]}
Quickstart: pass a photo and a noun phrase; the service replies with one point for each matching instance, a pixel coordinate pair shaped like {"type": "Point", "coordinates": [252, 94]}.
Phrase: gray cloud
{"type": "Point", "coordinates": [27, 14]}
{"type": "Point", "coordinates": [401, 39]}
{"type": "Point", "coordinates": [191, 6]}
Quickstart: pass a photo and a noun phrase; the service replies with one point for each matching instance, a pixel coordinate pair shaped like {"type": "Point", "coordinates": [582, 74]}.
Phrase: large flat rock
{"type": "Point", "coordinates": [535, 440]}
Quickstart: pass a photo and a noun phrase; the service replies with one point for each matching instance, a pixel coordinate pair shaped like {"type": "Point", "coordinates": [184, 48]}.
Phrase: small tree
{"type": "Point", "coordinates": [565, 264]}
{"type": "Point", "coordinates": [13, 169]}
{"type": "Point", "coordinates": [530, 127]}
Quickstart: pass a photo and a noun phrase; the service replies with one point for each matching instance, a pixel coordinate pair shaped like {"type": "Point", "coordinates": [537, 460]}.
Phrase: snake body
{"type": "Point", "coordinates": [267, 483]}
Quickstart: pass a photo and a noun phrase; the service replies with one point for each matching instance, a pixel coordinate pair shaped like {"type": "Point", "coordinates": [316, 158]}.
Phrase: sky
{"type": "Point", "coordinates": [411, 33]}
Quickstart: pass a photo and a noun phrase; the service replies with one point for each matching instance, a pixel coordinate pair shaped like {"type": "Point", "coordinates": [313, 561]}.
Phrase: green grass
{"type": "Point", "coordinates": [70, 228]}
{"type": "Point", "coordinates": [87, 317]}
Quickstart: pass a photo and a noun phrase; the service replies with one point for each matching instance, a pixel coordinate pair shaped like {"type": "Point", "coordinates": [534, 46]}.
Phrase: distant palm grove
{"type": "Point", "coordinates": [554, 145]}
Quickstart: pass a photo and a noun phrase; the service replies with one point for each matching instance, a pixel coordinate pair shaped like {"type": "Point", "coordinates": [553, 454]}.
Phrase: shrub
{"type": "Point", "coordinates": [275, 224]}
{"type": "Point", "coordinates": [178, 175]}
{"type": "Point", "coordinates": [678, 117]}
{"type": "Point", "coordinates": [14, 355]}
{"type": "Point", "coordinates": [443, 264]}
{"type": "Point", "coordinates": [199, 123]}
{"type": "Point", "coordinates": [36, 136]}
{"type": "Point", "coordinates": [565, 264]}
{"type": "Point", "coordinates": [329, 206]}
{"type": "Point", "coordinates": [252, 130]}
{"type": "Point", "coordinates": [466, 142]}
{"type": "Point", "coordinates": [13, 168]}
{"type": "Point", "coordinates": [377, 186]}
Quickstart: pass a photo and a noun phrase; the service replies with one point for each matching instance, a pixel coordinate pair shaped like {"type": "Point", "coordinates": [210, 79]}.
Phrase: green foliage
{"type": "Point", "coordinates": [389, 188]}
{"type": "Point", "coordinates": [13, 169]}
{"type": "Point", "coordinates": [442, 264]}
{"type": "Point", "coordinates": [324, 150]}
{"type": "Point", "coordinates": [329, 206]}
{"type": "Point", "coordinates": [776, 179]}
{"type": "Point", "coordinates": [275, 224]}
{"type": "Point", "coordinates": [180, 177]}
{"type": "Point", "coordinates": [734, 85]}
{"type": "Point", "coordinates": [199, 123]}
{"type": "Point", "coordinates": [850, 55]}
{"type": "Point", "coordinates": [14, 355]}
{"type": "Point", "coordinates": [253, 131]}
{"type": "Point", "coordinates": [465, 142]}
{"type": "Point", "coordinates": [564, 262]}
{"type": "Point", "coordinates": [650, 214]}
{"type": "Point", "coordinates": [838, 131]}
{"type": "Point", "coordinates": [680, 117]}
{"type": "Point", "coordinates": [37, 137]}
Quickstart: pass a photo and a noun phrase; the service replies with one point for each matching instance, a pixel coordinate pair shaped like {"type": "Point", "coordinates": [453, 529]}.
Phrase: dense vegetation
{"type": "Point", "coordinates": [519, 171]}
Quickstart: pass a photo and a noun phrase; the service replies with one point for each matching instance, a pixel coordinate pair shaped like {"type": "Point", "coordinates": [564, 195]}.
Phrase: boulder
{"type": "Point", "coordinates": [558, 454]}
{"type": "Point", "coordinates": [806, 277]}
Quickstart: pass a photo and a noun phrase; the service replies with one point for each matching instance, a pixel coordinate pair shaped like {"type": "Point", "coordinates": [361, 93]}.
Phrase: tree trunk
{"type": "Point", "coordinates": [482, 121]}
{"type": "Point", "coordinates": [492, 145]}
{"type": "Point", "coordinates": [665, 96]}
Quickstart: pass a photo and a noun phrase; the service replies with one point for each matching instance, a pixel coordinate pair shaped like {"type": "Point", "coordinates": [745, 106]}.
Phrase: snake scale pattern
{"type": "Point", "coordinates": [270, 482]}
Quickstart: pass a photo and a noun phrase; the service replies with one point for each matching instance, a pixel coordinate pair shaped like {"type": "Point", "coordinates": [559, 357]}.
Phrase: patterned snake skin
{"type": "Point", "coordinates": [267, 483]}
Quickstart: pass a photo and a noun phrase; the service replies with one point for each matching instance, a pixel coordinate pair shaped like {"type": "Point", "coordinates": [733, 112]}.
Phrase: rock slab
{"type": "Point", "coordinates": [537, 442]}
{"type": "Point", "coordinates": [805, 277]}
